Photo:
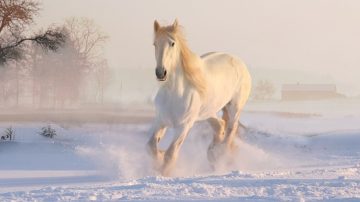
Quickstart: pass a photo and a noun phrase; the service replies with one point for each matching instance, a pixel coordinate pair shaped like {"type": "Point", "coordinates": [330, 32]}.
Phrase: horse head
{"type": "Point", "coordinates": [167, 49]}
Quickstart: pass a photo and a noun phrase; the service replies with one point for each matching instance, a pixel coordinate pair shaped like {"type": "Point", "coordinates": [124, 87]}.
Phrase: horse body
{"type": "Point", "coordinates": [196, 88]}
{"type": "Point", "coordinates": [225, 75]}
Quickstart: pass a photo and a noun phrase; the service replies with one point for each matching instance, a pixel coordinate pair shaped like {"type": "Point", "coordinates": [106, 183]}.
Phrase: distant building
{"type": "Point", "coordinates": [309, 91]}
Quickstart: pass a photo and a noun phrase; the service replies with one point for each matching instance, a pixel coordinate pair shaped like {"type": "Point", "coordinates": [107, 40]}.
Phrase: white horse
{"type": "Point", "coordinates": [192, 89]}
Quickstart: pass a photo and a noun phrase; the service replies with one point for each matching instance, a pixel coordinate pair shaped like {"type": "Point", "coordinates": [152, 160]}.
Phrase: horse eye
{"type": "Point", "coordinates": [172, 44]}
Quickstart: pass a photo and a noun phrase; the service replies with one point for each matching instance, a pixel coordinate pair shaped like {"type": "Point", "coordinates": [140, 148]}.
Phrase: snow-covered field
{"type": "Point", "coordinates": [281, 157]}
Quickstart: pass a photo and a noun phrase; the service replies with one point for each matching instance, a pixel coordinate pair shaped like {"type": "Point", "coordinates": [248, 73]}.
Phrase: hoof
{"type": "Point", "coordinates": [160, 156]}
{"type": "Point", "coordinates": [167, 168]}
{"type": "Point", "coordinates": [159, 160]}
{"type": "Point", "coordinates": [233, 148]}
{"type": "Point", "coordinates": [165, 171]}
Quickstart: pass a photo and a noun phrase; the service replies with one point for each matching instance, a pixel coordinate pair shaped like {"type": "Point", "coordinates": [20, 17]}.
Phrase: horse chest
{"type": "Point", "coordinates": [174, 108]}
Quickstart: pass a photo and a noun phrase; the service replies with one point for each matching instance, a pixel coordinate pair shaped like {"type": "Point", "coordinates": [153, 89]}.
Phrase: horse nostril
{"type": "Point", "coordinates": [160, 73]}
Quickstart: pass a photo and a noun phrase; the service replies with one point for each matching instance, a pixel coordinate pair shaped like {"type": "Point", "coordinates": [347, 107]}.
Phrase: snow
{"type": "Point", "coordinates": [280, 157]}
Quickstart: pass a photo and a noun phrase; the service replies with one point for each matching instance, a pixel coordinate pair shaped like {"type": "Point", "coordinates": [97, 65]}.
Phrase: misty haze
{"type": "Point", "coordinates": [160, 100]}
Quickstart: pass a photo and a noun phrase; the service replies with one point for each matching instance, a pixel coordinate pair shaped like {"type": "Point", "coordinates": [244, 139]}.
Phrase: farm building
{"type": "Point", "coordinates": [309, 91]}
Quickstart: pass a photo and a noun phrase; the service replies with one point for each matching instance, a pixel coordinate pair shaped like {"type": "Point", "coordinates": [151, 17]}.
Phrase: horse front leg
{"type": "Point", "coordinates": [158, 131]}
{"type": "Point", "coordinates": [172, 152]}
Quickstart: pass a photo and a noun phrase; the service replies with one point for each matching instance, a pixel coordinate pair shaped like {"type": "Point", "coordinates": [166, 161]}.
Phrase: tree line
{"type": "Point", "coordinates": [58, 67]}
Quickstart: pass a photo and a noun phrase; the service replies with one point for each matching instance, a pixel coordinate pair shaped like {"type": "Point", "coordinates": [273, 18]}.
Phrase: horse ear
{"type": "Point", "coordinates": [156, 26]}
{"type": "Point", "coordinates": [176, 23]}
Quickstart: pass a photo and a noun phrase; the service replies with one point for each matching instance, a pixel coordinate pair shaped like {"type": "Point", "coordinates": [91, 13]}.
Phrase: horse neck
{"type": "Point", "coordinates": [190, 76]}
{"type": "Point", "coordinates": [177, 82]}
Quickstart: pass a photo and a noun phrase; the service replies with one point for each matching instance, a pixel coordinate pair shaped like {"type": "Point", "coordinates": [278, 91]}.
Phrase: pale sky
{"type": "Point", "coordinates": [320, 37]}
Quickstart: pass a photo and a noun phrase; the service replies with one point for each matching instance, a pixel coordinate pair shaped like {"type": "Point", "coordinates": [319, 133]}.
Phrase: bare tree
{"type": "Point", "coordinates": [61, 77]}
{"type": "Point", "coordinates": [6, 85]}
{"type": "Point", "coordinates": [15, 16]}
{"type": "Point", "coordinates": [87, 38]}
{"type": "Point", "coordinates": [102, 79]}
{"type": "Point", "coordinates": [14, 81]}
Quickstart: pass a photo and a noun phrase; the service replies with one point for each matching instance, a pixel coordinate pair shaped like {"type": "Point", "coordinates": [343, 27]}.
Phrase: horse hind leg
{"type": "Point", "coordinates": [218, 126]}
{"type": "Point", "coordinates": [225, 116]}
{"type": "Point", "coordinates": [234, 111]}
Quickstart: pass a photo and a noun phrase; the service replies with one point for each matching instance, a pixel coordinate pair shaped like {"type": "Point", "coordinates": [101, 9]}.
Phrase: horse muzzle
{"type": "Point", "coordinates": [161, 74]}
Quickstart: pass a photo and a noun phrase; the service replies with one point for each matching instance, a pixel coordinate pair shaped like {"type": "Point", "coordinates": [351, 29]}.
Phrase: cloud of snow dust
{"type": "Point", "coordinates": [121, 154]}
{"type": "Point", "coordinates": [193, 156]}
